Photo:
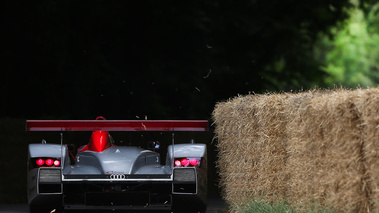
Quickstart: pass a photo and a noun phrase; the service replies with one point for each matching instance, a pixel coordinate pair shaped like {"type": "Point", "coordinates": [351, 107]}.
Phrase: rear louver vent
{"type": "Point", "coordinates": [49, 175]}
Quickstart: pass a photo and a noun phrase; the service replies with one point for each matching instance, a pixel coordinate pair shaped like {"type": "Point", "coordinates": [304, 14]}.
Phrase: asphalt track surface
{"type": "Point", "coordinates": [215, 205]}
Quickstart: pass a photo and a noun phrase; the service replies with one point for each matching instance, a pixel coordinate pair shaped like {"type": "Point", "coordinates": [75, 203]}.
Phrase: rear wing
{"type": "Point", "coordinates": [116, 125]}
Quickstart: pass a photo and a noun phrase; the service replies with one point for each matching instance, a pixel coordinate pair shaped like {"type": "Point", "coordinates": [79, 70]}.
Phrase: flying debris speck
{"type": "Point", "coordinates": [210, 70]}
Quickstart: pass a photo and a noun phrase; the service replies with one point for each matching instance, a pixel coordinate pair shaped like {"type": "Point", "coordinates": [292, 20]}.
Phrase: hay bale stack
{"type": "Point", "coordinates": [315, 146]}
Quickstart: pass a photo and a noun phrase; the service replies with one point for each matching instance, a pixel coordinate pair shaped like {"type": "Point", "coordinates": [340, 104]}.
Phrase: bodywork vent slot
{"type": "Point", "coordinates": [185, 175]}
{"type": "Point", "coordinates": [49, 175]}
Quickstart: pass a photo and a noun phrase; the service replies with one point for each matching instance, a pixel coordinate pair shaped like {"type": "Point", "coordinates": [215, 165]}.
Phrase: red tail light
{"type": "Point", "coordinates": [184, 162]}
{"type": "Point", "coordinates": [194, 162]}
{"type": "Point", "coordinates": [49, 162]}
{"type": "Point", "coordinates": [40, 162]}
{"type": "Point", "coordinates": [187, 162]}
{"type": "Point", "coordinates": [45, 162]}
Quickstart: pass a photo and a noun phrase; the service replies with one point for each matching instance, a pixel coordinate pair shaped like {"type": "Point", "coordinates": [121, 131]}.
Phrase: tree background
{"type": "Point", "coordinates": [65, 59]}
{"type": "Point", "coordinates": [161, 60]}
{"type": "Point", "coordinates": [350, 55]}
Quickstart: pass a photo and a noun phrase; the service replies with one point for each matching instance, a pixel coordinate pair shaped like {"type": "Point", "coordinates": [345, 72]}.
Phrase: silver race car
{"type": "Point", "coordinates": [101, 176]}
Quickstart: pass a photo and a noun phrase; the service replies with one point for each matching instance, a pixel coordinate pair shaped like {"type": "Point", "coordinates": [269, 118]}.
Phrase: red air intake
{"type": "Point", "coordinates": [100, 141]}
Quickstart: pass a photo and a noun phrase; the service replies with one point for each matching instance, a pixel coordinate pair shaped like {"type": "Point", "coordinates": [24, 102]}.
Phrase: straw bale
{"type": "Point", "coordinates": [251, 148]}
{"type": "Point", "coordinates": [234, 167]}
{"type": "Point", "coordinates": [271, 147]}
{"type": "Point", "coordinates": [368, 102]}
{"type": "Point", "coordinates": [300, 165]}
{"type": "Point", "coordinates": [314, 146]}
{"type": "Point", "coordinates": [333, 139]}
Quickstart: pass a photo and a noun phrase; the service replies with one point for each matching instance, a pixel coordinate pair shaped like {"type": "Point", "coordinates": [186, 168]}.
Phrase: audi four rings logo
{"type": "Point", "coordinates": [117, 176]}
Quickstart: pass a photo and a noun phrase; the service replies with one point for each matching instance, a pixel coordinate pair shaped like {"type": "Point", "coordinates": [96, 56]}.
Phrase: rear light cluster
{"type": "Point", "coordinates": [187, 162]}
{"type": "Point", "coordinates": [46, 162]}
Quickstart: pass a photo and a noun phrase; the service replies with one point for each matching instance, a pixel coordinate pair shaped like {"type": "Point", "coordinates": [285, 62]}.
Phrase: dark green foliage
{"type": "Point", "coordinates": [163, 59]}
{"type": "Point", "coordinates": [350, 56]}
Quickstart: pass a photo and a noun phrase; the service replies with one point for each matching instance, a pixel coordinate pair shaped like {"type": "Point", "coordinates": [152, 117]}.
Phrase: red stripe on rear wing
{"type": "Point", "coordinates": [117, 125]}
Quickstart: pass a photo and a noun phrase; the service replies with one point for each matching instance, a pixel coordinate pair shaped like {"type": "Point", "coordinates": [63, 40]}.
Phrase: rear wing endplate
{"type": "Point", "coordinates": [117, 125]}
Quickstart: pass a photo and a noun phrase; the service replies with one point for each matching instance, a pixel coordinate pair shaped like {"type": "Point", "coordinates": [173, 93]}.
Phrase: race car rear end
{"type": "Point", "coordinates": [116, 178]}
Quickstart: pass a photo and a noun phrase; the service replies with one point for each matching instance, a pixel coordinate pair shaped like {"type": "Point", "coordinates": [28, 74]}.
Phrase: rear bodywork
{"type": "Point", "coordinates": [118, 177]}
